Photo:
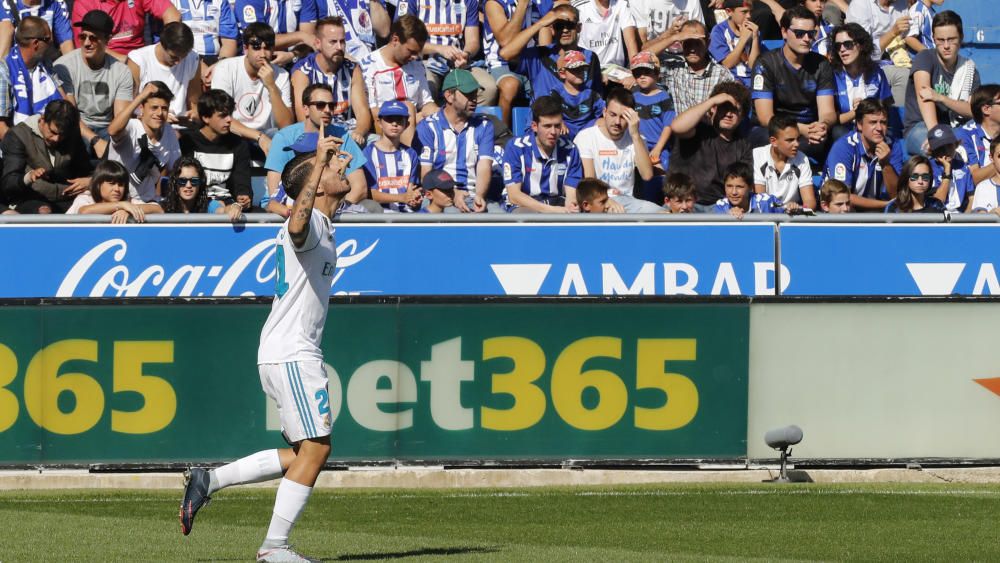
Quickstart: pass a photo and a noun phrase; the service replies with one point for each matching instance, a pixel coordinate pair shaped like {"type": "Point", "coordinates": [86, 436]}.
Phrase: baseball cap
{"type": "Point", "coordinates": [941, 135]}
{"type": "Point", "coordinates": [644, 59]}
{"type": "Point", "coordinates": [393, 108]}
{"type": "Point", "coordinates": [438, 180]}
{"type": "Point", "coordinates": [98, 22]}
{"type": "Point", "coordinates": [461, 80]}
{"type": "Point", "coordinates": [308, 141]}
{"type": "Point", "coordinates": [573, 59]}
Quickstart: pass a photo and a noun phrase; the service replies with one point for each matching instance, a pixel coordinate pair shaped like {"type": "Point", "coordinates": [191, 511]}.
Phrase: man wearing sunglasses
{"type": "Point", "coordinates": [33, 81]}
{"type": "Point", "coordinates": [796, 82]}
{"type": "Point", "coordinates": [98, 84]}
{"type": "Point", "coordinates": [52, 11]}
{"type": "Point", "coordinates": [541, 63]}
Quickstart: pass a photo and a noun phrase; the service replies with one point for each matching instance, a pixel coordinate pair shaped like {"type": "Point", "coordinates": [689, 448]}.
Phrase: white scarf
{"type": "Point", "coordinates": [961, 85]}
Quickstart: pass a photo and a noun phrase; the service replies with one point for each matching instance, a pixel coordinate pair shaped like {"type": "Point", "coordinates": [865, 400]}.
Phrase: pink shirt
{"type": "Point", "coordinates": [129, 22]}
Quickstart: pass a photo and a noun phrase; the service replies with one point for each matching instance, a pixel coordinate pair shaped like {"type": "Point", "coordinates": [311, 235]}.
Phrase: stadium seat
{"type": "Point", "coordinates": [490, 110]}
{"type": "Point", "coordinates": [772, 44]}
{"type": "Point", "coordinates": [520, 118]}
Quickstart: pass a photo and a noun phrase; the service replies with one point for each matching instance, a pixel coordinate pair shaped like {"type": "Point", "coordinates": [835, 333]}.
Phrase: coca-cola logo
{"type": "Point", "coordinates": [124, 278]}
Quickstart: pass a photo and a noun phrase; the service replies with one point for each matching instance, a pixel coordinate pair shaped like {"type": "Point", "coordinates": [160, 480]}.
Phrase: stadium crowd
{"type": "Point", "coordinates": [132, 107]}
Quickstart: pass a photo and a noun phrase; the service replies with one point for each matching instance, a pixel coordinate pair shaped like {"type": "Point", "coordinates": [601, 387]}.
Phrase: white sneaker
{"type": "Point", "coordinates": [283, 554]}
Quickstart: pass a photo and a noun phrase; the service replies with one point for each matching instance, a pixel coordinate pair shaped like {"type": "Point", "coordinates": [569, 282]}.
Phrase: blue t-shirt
{"type": "Point", "coordinates": [722, 42]}
{"type": "Point", "coordinates": [656, 113]}
{"type": "Point", "coordinates": [278, 157]}
{"type": "Point", "coordinates": [581, 110]}
{"type": "Point", "coordinates": [962, 188]}
{"type": "Point", "coordinates": [851, 164]}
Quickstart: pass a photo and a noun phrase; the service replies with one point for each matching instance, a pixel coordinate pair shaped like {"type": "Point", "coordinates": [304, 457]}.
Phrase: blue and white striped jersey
{"type": "Point", "coordinates": [875, 85]}
{"type": "Point", "coordinates": [850, 163]}
{"type": "Point", "coordinates": [456, 152]}
{"type": "Point", "coordinates": [392, 172]}
{"type": "Point", "coordinates": [210, 21]}
{"type": "Point", "coordinates": [491, 49]}
{"type": "Point", "coordinates": [284, 16]}
{"type": "Point", "coordinates": [975, 144]}
{"type": "Point", "coordinates": [759, 203]}
{"type": "Point", "coordinates": [446, 21]}
{"type": "Point", "coordinates": [358, 29]}
{"type": "Point", "coordinates": [339, 81]}
{"type": "Point", "coordinates": [987, 196]}
{"type": "Point", "coordinates": [541, 176]}
{"type": "Point", "coordinates": [54, 12]}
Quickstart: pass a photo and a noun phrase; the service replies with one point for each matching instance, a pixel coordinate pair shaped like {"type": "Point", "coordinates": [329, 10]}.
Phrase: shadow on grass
{"type": "Point", "coordinates": [416, 553]}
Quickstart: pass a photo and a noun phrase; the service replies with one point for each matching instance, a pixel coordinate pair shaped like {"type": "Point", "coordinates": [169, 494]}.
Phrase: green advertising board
{"type": "Point", "coordinates": [460, 381]}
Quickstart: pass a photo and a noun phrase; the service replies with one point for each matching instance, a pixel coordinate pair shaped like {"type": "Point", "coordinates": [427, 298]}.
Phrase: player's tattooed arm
{"type": "Point", "coordinates": [298, 223]}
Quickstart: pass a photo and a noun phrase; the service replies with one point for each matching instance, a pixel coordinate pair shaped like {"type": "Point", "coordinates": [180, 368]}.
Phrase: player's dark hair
{"type": "Point", "coordinates": [983, 96]}
{"type": "Point", "coordinates": [259, 31]}
{"type": "Point", "coordinates": [948, 17]}
{"type": "Point", "coordinates": [173, 203]}
{"type": "Point", "coordinates": [296, 173]}
{"type": "Point", "coordinates": [870, 106]}
{"type": "Point", "coordinates": [779, 123]}
{"type": "Point", "coordinates": [545, 106]}
{"type": "Point", "coordinates": [799, 12]}
{"type": "Point", "coordinates": [678, 186]}
{"type": "Point", "coordinates": [589, 189]}
{"type": "Point", "coordinates": [215, 101]}
{"type": "Point", "coordinates": [904, 195]}
{"type": "Point", "coordinates": [740, 170]}
{"type": "Point", "coordinates": [177, 37]}
{"type": "Point", "coordinates": [108, 171]}
{"type": "Point", "coordinates": [866, 48]}
{"type": "Point", "coordinates": [308, 92]}
{"type": "Point", "coordinates": [409, 27]}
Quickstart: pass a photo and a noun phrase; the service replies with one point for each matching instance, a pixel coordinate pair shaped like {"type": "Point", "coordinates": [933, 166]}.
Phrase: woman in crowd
{"type": "Point", "coordinates": [108, 196]}
{"type": "Point", "coordinates": [915, 180]}
{"type": "Point", "coordinates": [856, 74]}
{"type": "Point", "coordinates": [186, 191]}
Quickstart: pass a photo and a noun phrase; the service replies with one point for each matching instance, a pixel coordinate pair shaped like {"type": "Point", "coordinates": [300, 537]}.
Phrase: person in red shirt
{"type": "Point", "coordinates": [130, 19]}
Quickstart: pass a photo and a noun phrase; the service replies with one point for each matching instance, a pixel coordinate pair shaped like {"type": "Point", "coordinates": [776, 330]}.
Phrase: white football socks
{"type": "Point", "coordinates": [288, 505]}
{"type": "Point", "coordinates": [254, 468]}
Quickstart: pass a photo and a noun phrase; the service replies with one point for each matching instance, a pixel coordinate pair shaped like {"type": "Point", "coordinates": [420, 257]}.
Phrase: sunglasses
{"type": "Point", "coordinates": [395, 119]}
{"type": "Point", "coordinates": [47, 39]}
{"type": "Point", "coordinates": [849, 45]}
{"type": "Point", "coordinates": [85, 37]}
{"type": "Point", "coordinates": [924, 177]}
{"type": "Point", "coordinates": [257, 44]}
{"type": "Point", "coordinates": [564, 25]}
{"type": "Point", "coordinates": [323, 105]}
{"type": "Point", "coordinates": [195, 182]}
{"type": "Point", "coordinates": [800, 33]}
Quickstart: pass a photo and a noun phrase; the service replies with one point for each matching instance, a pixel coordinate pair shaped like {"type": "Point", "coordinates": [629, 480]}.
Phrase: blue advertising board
{"type": "Point", "coordinates": [393, 259]}
{"type": "Point", "coordinates": [907, 260]}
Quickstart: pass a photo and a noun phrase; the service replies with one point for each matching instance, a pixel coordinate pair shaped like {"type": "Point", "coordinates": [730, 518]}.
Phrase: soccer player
{"type": "Point", "coordinates": [289, 358]}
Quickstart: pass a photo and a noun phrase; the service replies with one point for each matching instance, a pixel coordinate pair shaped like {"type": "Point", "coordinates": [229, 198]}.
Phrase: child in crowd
{"type": "Point", "coordinates": [781, 170]}
{"type": "Point", "coordinates": [987, 191]}
{"type": "Point", "coordinates": [952, 178]}
{"type": "Point", "coordinates": [835, 197]}
{"type": "Point", "coordinates": [739, 201]}
{"type": "Point", "coordinates": [440, 188]}
{"type": "Point", "coordinates": [592, 197]}
{"type": "Point", "coordinates": [821, 44]}
{"type": "Point", "coordinates": [678, 193]}
{"type": "Point", "coordinates": [735, 42]}
{"type": "Point", "coordinates": [581, 105]}
{"type": "Point", "coordinates": [913, 191]}
{"type": "Point", "coordinates": [186, 188]}
{"type": "Point", "coordinates": [393, 169]}
{"type": "Point", "coordinates": [653, 104]}
{"type": "Point", "coordinates": [108, 196]}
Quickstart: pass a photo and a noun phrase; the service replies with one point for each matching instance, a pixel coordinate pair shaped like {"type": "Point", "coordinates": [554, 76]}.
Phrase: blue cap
{"type": "Point", "coordinates": [393, 108]}
{"type": "Point", "coordinates": [308, 141]}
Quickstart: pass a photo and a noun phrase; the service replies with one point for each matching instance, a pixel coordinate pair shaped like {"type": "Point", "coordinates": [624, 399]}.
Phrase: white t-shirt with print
{"type": "Point", "coordinates": [386, 82]}
{"type": "Point", "coordinates": [127, 151]}
{"type": "Point", "coordinates": [176, 77]}
{"type": "Point", "coordinates": [253, 103]}
{"type": "Point", "coordinates": [602, 34]}
{"type": "Point", "coordinates": [657, 15]}
{"type": "Point", "coordinates": [614, 161]}
{"type": "Point", "coordinates": [785, 186]}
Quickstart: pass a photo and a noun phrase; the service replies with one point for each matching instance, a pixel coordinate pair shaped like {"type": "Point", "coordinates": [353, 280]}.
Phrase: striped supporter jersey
{"type": "Point", "coordinates": [541, 177]}
{"type": "Point", "coordinates": [456, 152]}
{"type": "Point", "coordinates": [339, 81]}
{"type": "Point", "coordinates": [392, 172]}
{"type": "Point", "coordinates": [210, 21]}
{"type": "Point", "coordinates": [446, 21]}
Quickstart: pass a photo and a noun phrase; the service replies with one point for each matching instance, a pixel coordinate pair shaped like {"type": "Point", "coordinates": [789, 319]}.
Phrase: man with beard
{"type": "Point", "coordinates": [690, 77]}
{"type": "Point", "coordinates": [867, 160]}
{"type": "Point", "coordinates": [223, 154]}
{"type": "Point", "coordinates": [541, 64]}
{"type": "Point", "coordinates": [459, 142]}
{"type": "Point", "coordinates": [707, 141]}
{"type": "Point", "coordinates": [327, 65]}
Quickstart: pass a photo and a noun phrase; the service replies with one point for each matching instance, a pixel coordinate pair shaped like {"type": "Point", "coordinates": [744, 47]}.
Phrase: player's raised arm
{"type": "Point", "coordinates": [298, 221]}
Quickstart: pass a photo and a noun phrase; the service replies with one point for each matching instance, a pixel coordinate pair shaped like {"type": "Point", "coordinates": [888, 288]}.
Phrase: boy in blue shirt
{"type": "Point", "coordinates": [393, 169]}
{"type": "Point", "coordinates": [953, 183]}
{"type": "Point", "coordinates": [581, 105]}
{"type": "Point", "coordinates": [735, 42]}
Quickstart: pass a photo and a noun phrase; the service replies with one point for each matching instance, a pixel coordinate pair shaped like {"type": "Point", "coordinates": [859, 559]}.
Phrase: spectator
{"type": "Point", "coordinates": [654, 17]}
{"type": "Point", "coordinates": [502, 20]}
{"type": "Point", "coordinates": [913, 194]}
{"type": "Point", "coordinates": [951, 178]}
{"type": "Point", "coordinates": [454, 41]}
{"type": "Point", "coordinates": [581, 105]}
{"type": "Point", "coordinates": [223, 155]}
{"type": "Point", "coordinates": [679, 193]}
{"type": "Point", "coordinates": [440, 187]}
{"type": "Point", "coordinates": [99, 85]}
{"type": "Point", "coordinates": [395, 72]}
{"type": "Point", "coordinates": [31, 81]}
{"type": "Point", "coordinates": [393, 169]}
{"type": "Point", "coordinates": [261, 88]}
{"type": "Point", "coordinates": [977, 134]}
{"type": "Point", "coordinates": [173, 62]}
{"type": "Point", "coordinates": [363, 21]}
{"type": "Point", "coordinates": [186, 191]}
{"type": "Point", "coordinates": [735, 42]}
{"type": "Point", "coordinates": [45, 165]}
{"type": "Point", "coordinates": [216, 31]}
{"type": "Point", "coordinates": [855, 73]}
{"type": "Point", "coordinates": [781, 170]}
{"type": "Point", "coordinates": [54, 12]}
{"type": "Point", "coordinates": [988, 191]}
{"type": "Point", "coordinates": [542, 169]}
{"type": "Point", "coordinates": [690, 77]}
{"type": "Point", "coordinates": [298, 137]}
{"type": "Point", "coordinates": [607, 27]}
{"type": "Point", "coordinates": [821, 46]}
{"type": "Point", "coordinates": [654, 105]}
{"type": "Point", "coordinates": [889, 24]}
{"type": "Point", "coordinates": [327, 65]}
{"type": "Point", "coordinates": [739, 198]}
{"type": "Point", "coordinates": [867, 160]}
{"type": "Point", "coordinates": [835, 197]}
{"type": "Point", "coordinates": [796, 82]}
{"type": "Point", "coordinates": [292, 22]}
{"type": "Point", "coordinates": [129, 17]}
{"type": "Point", "coordinates": [107, 196]}
{"type": "Point", "coordinates": [540, 63]}
{"type": "Point", "coordinates": [613, 149]}
{"type": "Point", "coordinates": [457, 140]}
{"type": "Point", "coordinates": [592, 197]}
{"type": "Point", "coordinates": [941, 83]}
{"type": "Point", "coordinates": [148, 145]}
{"type": "Point", "coordinates": [704, 150]}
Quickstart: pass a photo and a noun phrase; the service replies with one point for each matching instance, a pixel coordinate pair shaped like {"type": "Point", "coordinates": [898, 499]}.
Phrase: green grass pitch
{"type": "Point", "coordinates": [947, 522]}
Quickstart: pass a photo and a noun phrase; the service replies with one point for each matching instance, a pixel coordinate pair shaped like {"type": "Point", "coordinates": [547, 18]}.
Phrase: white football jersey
{"type": "Point", "coordinates": [303, 277]}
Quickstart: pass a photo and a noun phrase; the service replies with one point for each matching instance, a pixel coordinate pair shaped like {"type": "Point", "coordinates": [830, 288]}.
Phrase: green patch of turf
{"type": "Point", "coordinates": [639, 523]}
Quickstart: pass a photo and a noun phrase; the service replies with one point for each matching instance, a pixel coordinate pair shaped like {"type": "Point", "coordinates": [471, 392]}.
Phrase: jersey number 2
{"type": "Point", "coordinates": [280, 285]}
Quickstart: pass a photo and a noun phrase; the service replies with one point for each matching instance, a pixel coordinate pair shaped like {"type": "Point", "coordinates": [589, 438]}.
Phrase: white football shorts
{"type": "Point", "coordinates": [300, 390]}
